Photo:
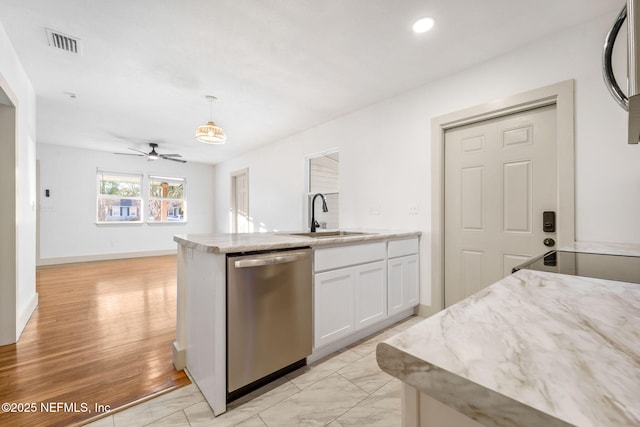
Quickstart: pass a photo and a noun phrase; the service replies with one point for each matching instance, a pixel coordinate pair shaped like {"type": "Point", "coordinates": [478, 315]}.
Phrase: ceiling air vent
{"type": "Point", "coordinates": [62, 41]}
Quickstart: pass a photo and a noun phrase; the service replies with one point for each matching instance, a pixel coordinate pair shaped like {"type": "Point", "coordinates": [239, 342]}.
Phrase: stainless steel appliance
{"type": "Point", "coordinates": [269, 316]}
{"type": "Point", "coordinates": [611, 267]}
{"type": "Point", "coordinates": [630, 101]}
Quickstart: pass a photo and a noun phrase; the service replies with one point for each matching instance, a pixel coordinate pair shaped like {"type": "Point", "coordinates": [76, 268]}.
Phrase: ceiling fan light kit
{"type": "Point", "coordinates": [210, 133]}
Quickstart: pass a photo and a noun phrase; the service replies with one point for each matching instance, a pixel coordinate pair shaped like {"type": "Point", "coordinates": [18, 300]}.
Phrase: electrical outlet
{"type": "Point", "coordinates": [413, 209]}
{"type": "Point", "coordinates": [374, 210]}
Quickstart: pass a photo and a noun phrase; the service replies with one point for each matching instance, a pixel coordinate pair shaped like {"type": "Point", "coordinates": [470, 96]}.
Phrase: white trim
{"type": "Point", "coordinates": [104, 257]}
{"type": "Point", "coordinates": [306, 211]}
{"type": "Point", "coordinates": [166, 178]}
{"type": "Point", "coordinates": [9, 280]}
{"type": "Point", "coordinates": [180, 344]}
{"type": "Point", "coordinates": [562, 95]}
{"type": "Point", "coordinates": [427, 310]}
{"type": "Point", "coordinates": [25, 315]}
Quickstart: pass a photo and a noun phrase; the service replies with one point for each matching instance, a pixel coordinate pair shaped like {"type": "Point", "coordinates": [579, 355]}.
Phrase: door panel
{"type": "Point", "coordinates": [512, 260]}
{"type": "Point", "coordinates": [472, 198]}
{"type": "Point", "coordinates": [370, 293]}
{"type": "Point", "coordinates": [333, 305]}
{"type": "Point", "coordinates": [500, 175]}
{"type": "Point", "coordinates": [517, 197]}
{"type": "Point", "coordinates": [472, 271]}
{"type": "Point", "coordinates": [240, 202]}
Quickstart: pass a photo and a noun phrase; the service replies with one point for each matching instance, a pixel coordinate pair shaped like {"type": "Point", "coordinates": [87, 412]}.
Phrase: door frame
{"type": "Point", "coordinates": [562, 96]}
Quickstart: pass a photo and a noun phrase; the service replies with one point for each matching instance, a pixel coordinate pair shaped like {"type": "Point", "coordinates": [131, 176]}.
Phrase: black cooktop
{"type": "Point", "coordinates": [610, 267]}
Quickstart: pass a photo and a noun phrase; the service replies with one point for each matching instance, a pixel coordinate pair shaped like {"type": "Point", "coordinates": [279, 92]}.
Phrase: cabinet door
{"type": "Point", "coordinates": [403, 283]}
{"type": "Point", "coordinates": [396, 297]}
{"type": "Point", "coordinates": [370, 293]}
{"type": "Point", "coordinates": [411, 282]}
{"type": "Point", "coordinates": [333, 305]}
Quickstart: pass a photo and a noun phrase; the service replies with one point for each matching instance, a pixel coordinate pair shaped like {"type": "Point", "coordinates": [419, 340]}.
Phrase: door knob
{"type": "Point", "coordinates": [549, 242]}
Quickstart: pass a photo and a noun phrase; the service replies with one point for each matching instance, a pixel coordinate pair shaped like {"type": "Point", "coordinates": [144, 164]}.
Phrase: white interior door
{"type": "Point", "coordinates": [500, 176]}
{"type": "Point", "coordinates": [240, 202]}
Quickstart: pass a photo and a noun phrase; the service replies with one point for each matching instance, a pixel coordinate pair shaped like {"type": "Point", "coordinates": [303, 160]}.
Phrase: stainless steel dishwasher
{"type": "Point", "coordinates": [269, 317]}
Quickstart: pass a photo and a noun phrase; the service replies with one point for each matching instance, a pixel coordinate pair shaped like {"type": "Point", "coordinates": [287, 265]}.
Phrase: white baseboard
{"type": "Point", "coordinates": [23, 318]}
{"type": "Point", "coordinates": [427, 310]}
{"type": "Point", "coordinates": [103, 257]}
{"type": "Point", "coordinates": [179, 356]}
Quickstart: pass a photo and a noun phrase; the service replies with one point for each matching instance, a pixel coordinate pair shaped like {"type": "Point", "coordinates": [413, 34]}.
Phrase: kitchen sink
{"type": "Point", "coordinates": [327, 234]}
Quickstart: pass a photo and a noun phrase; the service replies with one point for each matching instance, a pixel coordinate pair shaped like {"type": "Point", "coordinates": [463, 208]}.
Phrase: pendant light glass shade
{"type": "Point", "coordinates": [210, 133]}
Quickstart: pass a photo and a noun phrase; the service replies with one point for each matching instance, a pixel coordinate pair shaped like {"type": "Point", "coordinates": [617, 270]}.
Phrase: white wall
{"type": "Point", "coordinates": [385, 148]}
{"type": "Point", "coordinates": [18, 296]}
{"type": "Point", "coordinates": [68, 230]}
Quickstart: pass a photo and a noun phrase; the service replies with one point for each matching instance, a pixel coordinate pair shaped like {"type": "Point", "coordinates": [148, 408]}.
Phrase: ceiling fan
{"type": "Point", "coordinates": [153, 154]}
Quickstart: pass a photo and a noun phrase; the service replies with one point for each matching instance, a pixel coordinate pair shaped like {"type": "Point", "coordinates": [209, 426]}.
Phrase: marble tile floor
{"type": "Point", "coordinates": [343, 390]}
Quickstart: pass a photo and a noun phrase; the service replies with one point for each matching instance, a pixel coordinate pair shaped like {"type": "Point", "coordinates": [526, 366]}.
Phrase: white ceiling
{"type": "Point", "coordinates": [277, 66]}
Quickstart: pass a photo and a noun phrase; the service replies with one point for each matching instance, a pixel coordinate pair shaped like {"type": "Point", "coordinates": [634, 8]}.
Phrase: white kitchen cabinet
{"type": "Point", "coordinates": [370, 293]}
{"type": "Point", "coordinates": [402, 283]}
{"type": "Point", "coordinates": [334, 307]}
{"type": "Point", "coordinates": [349, 299]}
{"type": "Point", "coordinates": [403, 275]}
{"type": "Point", "coordinates": [352, 297]}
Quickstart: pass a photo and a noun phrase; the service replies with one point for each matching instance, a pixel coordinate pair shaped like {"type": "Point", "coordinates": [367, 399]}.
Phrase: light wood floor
{"type": "Point", "coordinates": [102, 335]}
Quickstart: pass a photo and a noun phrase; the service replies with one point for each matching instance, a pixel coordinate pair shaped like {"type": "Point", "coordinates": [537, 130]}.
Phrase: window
{"type": "Point", "coordinates": [167, 199]}
{"type": "Point", "coordinates": [119, 197]}
{"type": "Point", "coordinates": [324, 177]}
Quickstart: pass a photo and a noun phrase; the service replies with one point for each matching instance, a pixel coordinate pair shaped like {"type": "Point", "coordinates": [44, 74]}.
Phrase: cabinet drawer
{"type": "Point", "coordinates": [343, 256]}
{"type": "Point", "coordinates": [403, 247]}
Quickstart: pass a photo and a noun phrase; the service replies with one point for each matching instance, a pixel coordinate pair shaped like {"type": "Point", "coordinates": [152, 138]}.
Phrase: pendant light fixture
{"type": "Point", "coordinates": [210, 133]}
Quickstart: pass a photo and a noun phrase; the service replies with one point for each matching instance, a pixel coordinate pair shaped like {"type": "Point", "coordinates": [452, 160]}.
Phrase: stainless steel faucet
{"type": "Point", "coordinates": [314, 223]}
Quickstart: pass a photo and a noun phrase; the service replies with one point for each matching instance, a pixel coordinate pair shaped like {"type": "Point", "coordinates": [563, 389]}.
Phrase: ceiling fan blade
{"type": "Point", "coordinates": [139, 151]}
{"type": "Point", "coordinates": [172, 159]}
{"type": "Point", "coordinates": [170, 155]}
{"type": "Point", "coordinates": [130, 154]}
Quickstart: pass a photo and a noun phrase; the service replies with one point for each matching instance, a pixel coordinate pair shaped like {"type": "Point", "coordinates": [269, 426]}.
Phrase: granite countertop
{"type": "Point", "coordinates": [246, 242]}
{"type": "Point", "coordinates": [533, 349]}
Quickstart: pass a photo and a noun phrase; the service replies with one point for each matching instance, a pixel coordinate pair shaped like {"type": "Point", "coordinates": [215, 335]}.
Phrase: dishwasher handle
{"type": "Point", "coordinates": [270, 260]}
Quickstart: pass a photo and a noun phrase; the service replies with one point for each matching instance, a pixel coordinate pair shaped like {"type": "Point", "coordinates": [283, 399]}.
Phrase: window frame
{"type": "Point", "coordinates": [150, 198]}
{"type": "Point", "coordinates": [100, 174]}
{"type": "Point", "coordinates": [143, 200]}
{"type": "Point", "coordinates": [310, 194]}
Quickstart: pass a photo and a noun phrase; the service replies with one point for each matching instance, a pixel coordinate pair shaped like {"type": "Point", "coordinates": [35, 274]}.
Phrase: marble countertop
{"type": "Point", "coordinates": [533, 349]}
{"type": "Point", "coordinates": [246, 242]}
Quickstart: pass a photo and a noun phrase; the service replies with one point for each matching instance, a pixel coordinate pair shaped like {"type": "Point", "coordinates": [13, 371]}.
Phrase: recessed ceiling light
{"type": "Point", "coordinates": [423, 25]}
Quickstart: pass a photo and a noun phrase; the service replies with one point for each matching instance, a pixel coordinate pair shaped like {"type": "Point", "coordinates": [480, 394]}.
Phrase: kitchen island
{"type": "Point", "coordinates": [201, 329]}
{"type": "Point", "coordinates": [534, 349]}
